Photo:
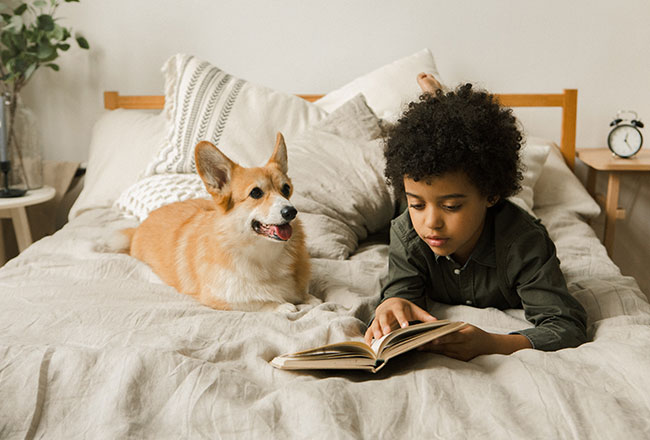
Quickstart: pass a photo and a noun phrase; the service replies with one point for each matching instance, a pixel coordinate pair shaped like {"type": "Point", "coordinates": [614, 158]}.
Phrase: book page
{"type": "Point", "coordinates": [402, 344]}
{"type": "Point", "coordinates": [406, 332]}
{"type": "Point", "coordinates": [340, 349]}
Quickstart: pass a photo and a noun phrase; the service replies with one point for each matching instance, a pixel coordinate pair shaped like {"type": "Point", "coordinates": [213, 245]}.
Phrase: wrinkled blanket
{"type": "Point", "coordinates": [93, 345]}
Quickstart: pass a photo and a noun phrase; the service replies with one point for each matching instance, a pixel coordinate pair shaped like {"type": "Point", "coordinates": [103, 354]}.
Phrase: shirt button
{"type": "Point", "coordinates": [468, 302]}
{"type": "Point", "coordinates": [457, 271]}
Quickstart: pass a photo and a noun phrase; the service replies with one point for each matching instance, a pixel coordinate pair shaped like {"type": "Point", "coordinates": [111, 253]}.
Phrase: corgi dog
{"type": "Point", "coordinates": [242, 250]}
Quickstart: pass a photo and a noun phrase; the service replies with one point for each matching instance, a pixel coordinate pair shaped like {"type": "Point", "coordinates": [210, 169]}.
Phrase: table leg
{"type": "Point", "coordinates": [3, 256]}
{"type": "Point", "coordinates": [21, 226]}
{"type": "Point", "coordinates": [611, 207]}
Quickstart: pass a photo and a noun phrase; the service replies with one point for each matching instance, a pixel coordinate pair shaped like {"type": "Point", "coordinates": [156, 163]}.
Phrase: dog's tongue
{"type": "Point", "coordinates": [282, 231]}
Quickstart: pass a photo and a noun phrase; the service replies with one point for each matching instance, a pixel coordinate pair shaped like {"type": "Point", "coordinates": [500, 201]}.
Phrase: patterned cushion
{"type": "Point", "coordinates": [152, 192]}
{"type": "Point", "coordinates": [202, 102]}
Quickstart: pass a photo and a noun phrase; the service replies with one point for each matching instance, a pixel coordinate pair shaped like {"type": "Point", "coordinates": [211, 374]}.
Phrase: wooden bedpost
{"type": "Point", "coordinates": [111, 100]}
{"type": "Point", "coordinates": [569, 115]}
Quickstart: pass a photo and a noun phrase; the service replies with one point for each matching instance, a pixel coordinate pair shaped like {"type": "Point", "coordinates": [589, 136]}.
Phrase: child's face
{"type": "Point", "coordinates": [448, 213]}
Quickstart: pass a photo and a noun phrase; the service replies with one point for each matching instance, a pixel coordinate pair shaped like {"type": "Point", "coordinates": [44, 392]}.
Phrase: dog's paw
{"type": "Point", "coordinates": [286, 308]}
{"type": "Point", "coordinates": [313, 301]}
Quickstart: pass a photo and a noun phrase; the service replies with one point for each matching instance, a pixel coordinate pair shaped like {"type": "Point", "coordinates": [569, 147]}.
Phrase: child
{"type": "Point", "coordinates": [455, 156]}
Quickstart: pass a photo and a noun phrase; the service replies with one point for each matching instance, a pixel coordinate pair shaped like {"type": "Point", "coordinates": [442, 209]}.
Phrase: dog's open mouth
{"type": "Point", "coordinates": [276, 232]}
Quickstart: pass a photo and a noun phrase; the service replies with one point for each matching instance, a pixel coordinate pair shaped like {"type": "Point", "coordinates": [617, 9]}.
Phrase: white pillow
{"type": "Point", "coordinates": [152, 192]}
{"type": "Point", "coordinates": [336, 168]}
{"type": "Point", "coordinates": [557, 186]}
{"type": "Point", "coordinates": [202, 102]}
{"type": "Point", "coordinates": [123, 142]}
{"type": "Point", "coordinates": [533, 156]}
{"type": "Point", "coordinates": [387, 89]}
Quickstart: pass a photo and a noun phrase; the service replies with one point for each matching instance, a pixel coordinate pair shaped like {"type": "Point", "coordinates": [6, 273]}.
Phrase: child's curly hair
{"type": "Point", "coordinates": [462, 130]}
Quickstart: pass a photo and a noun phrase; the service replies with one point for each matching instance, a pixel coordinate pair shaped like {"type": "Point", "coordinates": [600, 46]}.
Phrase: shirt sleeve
{"type": "Point", "coordinates": [534, 270]}
{"type": "Point", "coordinates": [406, 274]}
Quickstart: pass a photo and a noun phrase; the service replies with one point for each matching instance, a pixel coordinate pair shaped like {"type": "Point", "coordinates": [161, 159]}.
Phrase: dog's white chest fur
{"type": "Point", "coordinates": [259, 278]}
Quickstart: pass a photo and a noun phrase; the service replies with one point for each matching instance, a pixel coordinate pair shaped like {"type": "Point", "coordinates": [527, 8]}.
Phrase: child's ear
{"type": "Point", "coordinates": [214, 167]}
{"type": "Point", "coordinates": [492, 200]}
{"type": "Point", "coordinates": [279, 156]}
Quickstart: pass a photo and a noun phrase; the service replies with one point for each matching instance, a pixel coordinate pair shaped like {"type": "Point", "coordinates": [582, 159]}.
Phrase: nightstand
{"type": "Point", "coordinates": [602, 159]}
{"type": "Point", "coordinates": [14, 208]}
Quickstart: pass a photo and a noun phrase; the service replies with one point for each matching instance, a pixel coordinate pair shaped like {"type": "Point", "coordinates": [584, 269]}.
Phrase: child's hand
{"type": "Point", "coordinates": [392, 313]}
{"type": "Point", "coordinates": [471, 341]}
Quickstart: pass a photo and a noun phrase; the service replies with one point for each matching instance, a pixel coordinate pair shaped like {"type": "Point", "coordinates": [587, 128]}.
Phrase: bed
{"type": "Point", "coordinates": [93, 345]}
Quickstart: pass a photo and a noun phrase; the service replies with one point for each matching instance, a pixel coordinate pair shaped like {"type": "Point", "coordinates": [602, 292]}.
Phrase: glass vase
{"type": "Point", "coordinates": [24, 146]}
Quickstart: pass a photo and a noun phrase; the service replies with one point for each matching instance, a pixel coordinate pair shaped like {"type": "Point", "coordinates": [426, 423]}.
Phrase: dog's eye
{"type": "Point", "coordinates": [286, 190]}
{"type": "Point", "coordinates": [256, 193]}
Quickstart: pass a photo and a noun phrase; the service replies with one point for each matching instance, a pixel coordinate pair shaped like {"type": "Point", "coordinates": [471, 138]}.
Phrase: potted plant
{"type": "Point", "coordinates": [30, 38]}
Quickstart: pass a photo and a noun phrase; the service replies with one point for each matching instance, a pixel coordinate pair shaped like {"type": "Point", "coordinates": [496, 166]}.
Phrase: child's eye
{"type": "Point", "coordinates": [417, 206]}
{"type": "Point", "coordinates": [452, 207]}
{"type": "Point", "coordinates": [286, 190]}
{"type": "Point", "coordinates": [256, 193]}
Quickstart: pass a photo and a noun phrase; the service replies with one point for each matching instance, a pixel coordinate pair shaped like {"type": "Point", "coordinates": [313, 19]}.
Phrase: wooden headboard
{"type": "Point", "coordinates": [567, 101]}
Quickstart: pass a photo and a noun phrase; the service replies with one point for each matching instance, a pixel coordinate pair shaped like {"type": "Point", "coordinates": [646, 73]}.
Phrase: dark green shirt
{"type": "Point", "coordinates": [513, 265]}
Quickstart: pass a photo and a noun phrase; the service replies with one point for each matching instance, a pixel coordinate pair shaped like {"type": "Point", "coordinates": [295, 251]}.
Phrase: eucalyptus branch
{"type": "Point", "coordinates": [30, 38]}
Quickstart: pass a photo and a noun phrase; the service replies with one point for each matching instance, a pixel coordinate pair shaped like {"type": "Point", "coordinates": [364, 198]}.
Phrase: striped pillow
{"type": "Point", "coordinates": [202, 102]}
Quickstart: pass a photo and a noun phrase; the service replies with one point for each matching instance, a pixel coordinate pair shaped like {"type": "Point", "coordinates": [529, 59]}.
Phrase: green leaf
{"type": "Point", "coordinates": [30, 70]}
{"type": "Point", "coordinates": [15, 24]}
{"type": "Point", "coordinates": [45, 22]}
{"type": "Point", "coordinates": [58, 33]}
{"type": "Point", "coordinates": [4, 56]}
{"type": "Point", "coordinates": [45, 51]}
{"type": "Point", "coordinates": [53, 66]}
{"type": "Point", "coordinates": [20, 9]}
{"type": "Point", "coordinates": [81, 41]}
{"type": "Point", "coordinates": [63, 47]}
{"type": "Point", "coordinates": [40, 3]}
{"type": "Point", "coordinates": [70, 1]}
{"type": "Point", "coordinates": [7, 40]}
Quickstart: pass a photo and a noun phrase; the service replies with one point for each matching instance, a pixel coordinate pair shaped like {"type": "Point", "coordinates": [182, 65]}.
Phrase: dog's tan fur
{"type": "Point", "coordinates": [208, 248]}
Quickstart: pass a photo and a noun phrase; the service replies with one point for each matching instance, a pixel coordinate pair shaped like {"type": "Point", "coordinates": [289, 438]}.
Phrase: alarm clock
{"type": "Point", "coordinates": [625, 138]}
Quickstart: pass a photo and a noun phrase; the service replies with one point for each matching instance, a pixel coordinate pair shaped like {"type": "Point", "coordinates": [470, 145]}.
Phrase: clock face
{"type": "Point", "coordinates": [625, 140]}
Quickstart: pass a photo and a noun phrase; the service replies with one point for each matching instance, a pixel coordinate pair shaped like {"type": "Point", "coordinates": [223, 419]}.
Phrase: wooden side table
{"type": "Point", "coordinates": [14, 208]}
{"type": "Point", "coordinates": [601, 159]}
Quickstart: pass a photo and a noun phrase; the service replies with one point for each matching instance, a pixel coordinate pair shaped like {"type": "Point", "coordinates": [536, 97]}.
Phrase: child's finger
{"type": "Point", "coordinates": [452, 338]}
{"type": "Point", "coordinates": [401, 317]}
{"type": "Point", "coordinates": [421, 314]}
{"type": "Point", "coordinates": [368, 335]}
{"type": "Point", "coordinates": [384, 325]}
{"type": "Point", "coordinates": [373, 331]}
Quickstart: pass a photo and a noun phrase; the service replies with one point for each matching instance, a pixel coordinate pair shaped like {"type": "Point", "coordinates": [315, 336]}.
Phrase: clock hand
{"type": "Point", "coordinates": [626, 142]}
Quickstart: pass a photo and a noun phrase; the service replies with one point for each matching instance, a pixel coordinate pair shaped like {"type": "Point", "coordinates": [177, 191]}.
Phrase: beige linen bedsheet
{"type": "Point", "coordinates": [93, 346]}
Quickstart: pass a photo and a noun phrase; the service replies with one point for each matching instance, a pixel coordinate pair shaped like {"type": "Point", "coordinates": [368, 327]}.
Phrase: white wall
{"type": "Point", "coordinates": [600, 47]}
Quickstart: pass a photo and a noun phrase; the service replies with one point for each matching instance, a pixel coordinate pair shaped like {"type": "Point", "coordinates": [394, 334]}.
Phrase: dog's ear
{"type": "Point", "coordinates": [214, 167]}
{"type": "Point", "coordinates": [279, 156]}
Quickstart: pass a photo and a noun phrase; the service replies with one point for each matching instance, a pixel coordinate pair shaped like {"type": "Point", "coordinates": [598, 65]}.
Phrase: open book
{"type": "Point", "coordinates": [358, 355]}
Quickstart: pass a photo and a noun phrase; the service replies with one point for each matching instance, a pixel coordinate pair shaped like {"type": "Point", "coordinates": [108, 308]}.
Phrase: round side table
{"type": "Point", "coordinates": [14, 208]}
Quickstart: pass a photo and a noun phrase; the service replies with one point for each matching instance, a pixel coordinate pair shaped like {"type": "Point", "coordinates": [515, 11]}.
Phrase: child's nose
{"type": "Point", "coordinates": [434, 219]}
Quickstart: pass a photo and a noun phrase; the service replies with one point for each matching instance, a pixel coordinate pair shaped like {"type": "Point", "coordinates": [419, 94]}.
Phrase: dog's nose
{"type": "Point", "coordinates": [288, 213]}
